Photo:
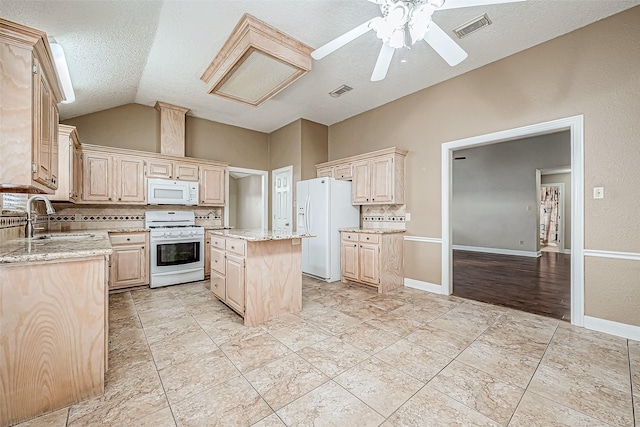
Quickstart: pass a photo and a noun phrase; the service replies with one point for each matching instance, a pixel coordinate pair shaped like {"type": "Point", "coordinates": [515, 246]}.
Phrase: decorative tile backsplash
{"type": "Point", "coordinates": [384, 217]}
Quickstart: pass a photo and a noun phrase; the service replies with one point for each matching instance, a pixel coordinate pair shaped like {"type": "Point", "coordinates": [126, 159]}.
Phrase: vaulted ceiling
{"type": "Point", "coordinates": [122, 52]}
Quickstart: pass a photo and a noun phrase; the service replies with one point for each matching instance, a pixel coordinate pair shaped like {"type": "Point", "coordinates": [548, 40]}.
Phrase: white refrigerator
{"type": "Point", "coordinates": [323, 207]}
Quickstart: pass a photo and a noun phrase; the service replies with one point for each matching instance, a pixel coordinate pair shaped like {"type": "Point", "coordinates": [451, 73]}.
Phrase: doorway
{"type": "Point", "coordinates": [575, 126]}
{"type": "Point", "coordinates": [247, 204]}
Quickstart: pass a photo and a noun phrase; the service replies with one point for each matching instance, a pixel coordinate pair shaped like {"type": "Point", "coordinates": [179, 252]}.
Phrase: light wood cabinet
{"type": "Point", "coordinates": [373, 259]}
{"type": "Point", "coordinates": [378, 177]}
{"type": "Point", "coordinates": [212, 185]}
{"type": "Point", "coordinates": [29, 110]}
{"type": "Point", "coordinates": [227, 272]}
{"type": "Point", "coordinates": [260, 280]}
{"type": "Point", "coordinates": [109, 178]}
{"type": "Point", "coordinates": [53, 335]}
{"type": "Point", "coordinates": [69, 165]}
{"type": "Point", "coordinates": [129, 265]}
{"type": "Point", "coordinates": [375, 181]}
{"type": "Point", "coordinates": [207, 255]}
{"type": "Point", "coordinates": [167, 169]}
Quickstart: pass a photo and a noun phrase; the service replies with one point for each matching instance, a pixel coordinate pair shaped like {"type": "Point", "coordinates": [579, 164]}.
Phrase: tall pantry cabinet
{"type": "Point", "coordinates": [31, 92]}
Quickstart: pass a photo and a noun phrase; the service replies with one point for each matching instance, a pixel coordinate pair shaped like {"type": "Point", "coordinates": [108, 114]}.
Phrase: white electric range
{"type": "Point", "coordinates": [177, 248]}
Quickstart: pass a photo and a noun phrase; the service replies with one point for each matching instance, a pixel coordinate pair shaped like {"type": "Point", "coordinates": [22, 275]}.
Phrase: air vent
{"type": "Point", "coordinates": [472, 26]}
{"type": "Point", "coordinates": [340, 91]}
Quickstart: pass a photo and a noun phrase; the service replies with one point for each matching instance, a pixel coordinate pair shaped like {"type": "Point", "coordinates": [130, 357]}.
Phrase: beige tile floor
{"type": "Point", "coordinates": [178, 357]}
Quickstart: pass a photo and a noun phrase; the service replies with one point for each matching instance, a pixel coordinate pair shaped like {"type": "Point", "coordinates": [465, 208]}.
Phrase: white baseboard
{"type": "Point", "coordinates": [531, 254]}
{"type": "Point", "coordinates": [613, 328]}
{"type": "Point", "coordinates": [423, 286]}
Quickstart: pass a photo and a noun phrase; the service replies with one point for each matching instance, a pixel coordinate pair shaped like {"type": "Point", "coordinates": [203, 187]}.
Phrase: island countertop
{"type": "Point", "coordinates": [66, 245]}
{"type": "Point", "coordinates": [259, 235]}
{"type": "Point", "coordinates": [372, 230]}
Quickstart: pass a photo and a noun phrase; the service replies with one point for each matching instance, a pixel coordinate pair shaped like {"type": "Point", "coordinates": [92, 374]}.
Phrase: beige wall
{"type": "Point", "coordinates": [592, 71]}
{"type": "Point", "coordinates": [314, 140]}
{"type": "Point", "coordinates": [285, 149]}
{"type": "Point", "coordinates": [239, 147]}
{"type": "Point", "coordinates": [131, 126]}
{"type": "Point", "coordinates": [137, 127]}
{"type": "Point", "coordinates": [564, 178]}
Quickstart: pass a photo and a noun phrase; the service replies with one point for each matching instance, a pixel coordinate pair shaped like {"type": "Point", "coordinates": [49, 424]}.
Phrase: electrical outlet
{"type": "Point", "coordinates": [598, 192]}
{"type": "Point", "coordinates": [407, 217]}
{"type": "Point", "coordinates": [521, 242]}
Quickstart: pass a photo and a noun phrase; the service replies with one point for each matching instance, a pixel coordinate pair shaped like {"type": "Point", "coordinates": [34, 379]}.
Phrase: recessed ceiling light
{"type": "Point", "coordinates": [404, 61]}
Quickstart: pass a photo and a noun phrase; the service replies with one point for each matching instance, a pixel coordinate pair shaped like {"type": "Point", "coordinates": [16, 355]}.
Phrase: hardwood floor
{"type": "Point", "coordinates": [536, 285]}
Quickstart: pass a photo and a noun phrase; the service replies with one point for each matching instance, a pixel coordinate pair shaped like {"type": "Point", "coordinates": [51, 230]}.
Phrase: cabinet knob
{"type": "Point", "coordinates": [216, 285]}
{"type": "Point", "coordinates": [119, 198]}
{"type": "Point", "coordinates": [367, 238]}
{"type": "Point", "coordinates": [169, 176]}
{"type": "Point", "coordinates": [109, 198]}
{"type": "Point", "coordinates": [233, 247]}
{"type": "Point", "coordinates": [142, 247]}
{"type": "Point", "coordinates": [128, 239]}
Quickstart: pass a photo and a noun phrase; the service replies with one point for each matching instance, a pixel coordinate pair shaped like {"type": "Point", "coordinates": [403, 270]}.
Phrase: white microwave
{"type": "Point", "coordinates": [168, 192]}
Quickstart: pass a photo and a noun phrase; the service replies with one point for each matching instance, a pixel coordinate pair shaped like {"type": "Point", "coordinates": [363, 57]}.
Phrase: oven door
{"type": "Point", "coordinates": [169, 255]}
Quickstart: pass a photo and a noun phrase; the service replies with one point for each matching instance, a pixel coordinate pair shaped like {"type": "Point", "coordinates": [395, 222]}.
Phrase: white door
{"type": "Point", "coordinates": [282, 200]}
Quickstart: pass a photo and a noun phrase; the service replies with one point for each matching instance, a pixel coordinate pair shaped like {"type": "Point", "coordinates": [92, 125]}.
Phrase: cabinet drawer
{"type": "Point", "coordinates": [237, 247]}
{"type": "Point", "coordinates": [128, 239]}
{"type": "Point", "coordinates": [217, 261]}
{"type": "Point", "coordinates": [217, 242]}
{"type": "Point", "coordinates": [350, 237]}
{"type": "Point", "coordinates": [218, 285]}
{"type": "Point", "coordinates": [369, 238]}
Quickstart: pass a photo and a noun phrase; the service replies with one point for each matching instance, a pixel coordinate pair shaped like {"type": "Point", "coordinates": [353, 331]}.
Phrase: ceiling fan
{"type": "Point", "coordinates": [404, 23]}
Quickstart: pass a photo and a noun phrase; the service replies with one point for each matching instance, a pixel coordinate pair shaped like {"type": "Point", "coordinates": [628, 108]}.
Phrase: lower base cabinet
{"type": "Point", "coordinates": [129, 265]}
{"type": "Point", "coordinates": [373, 258]}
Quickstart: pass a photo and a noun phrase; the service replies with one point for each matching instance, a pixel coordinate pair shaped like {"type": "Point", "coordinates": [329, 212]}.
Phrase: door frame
{"type": "Point", "coordinates": [560, 186]}
{"type": "Point", "coordinates": [288, 169]}
{"type": "Point", "coordinates": [575, 126]}
{"type": "Point", "coordinates": [265, 191]}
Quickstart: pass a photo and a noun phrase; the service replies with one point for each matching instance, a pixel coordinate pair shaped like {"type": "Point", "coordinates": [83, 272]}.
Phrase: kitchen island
{"type": "Point", "coordinates": [257, 273]}
{"type": "Point", "coordinates": [53, 322]}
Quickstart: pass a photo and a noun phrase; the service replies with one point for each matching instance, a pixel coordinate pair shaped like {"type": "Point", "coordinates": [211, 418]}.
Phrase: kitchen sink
{"type": "Point", "coordinates": [75, 236]}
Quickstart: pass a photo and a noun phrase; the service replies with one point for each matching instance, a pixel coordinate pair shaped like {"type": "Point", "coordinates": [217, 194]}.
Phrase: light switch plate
{"type": "Point", "coordinates": [598, 192]}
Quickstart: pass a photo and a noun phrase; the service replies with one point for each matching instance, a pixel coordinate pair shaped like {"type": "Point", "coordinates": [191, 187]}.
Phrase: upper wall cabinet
{"type": "Point", "coordinates": [378, 177]}
{"type": "Point", "coordinates": [28, 110]}
{"type": "Point", "coordinates": [182, 171]}
{"type": "Point", "coordinates": [69, 165]}
{"type": "Point", "coordinates": [212, 185]}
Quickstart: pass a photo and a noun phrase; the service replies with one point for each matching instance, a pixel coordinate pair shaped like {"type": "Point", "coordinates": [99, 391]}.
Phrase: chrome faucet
{"type": "Point", "coordinates": [28, 229]}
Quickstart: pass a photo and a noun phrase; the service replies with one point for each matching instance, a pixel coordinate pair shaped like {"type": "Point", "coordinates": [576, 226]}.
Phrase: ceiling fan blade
{"type": "Point", "coordinates": [338, 42]}
{"type": "Point", "coordinates": [383, 63]}
{"type": "Point", "coordinates": [444, 45]}
{"type": "Point", "coordinates": [456, 4]}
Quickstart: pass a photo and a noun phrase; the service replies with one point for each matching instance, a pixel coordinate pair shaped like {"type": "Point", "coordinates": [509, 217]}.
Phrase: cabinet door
{"type": "Point", "coordinates": [128, 266]}
{"type": "Point", "coordinates": [361, 187]}
{"type": "Point", "coordinates": [75, 175]}
{"type": "Point", "coordinates": [212, 185]}
{"type": "Point", "coordinates": [159, 169]}
{"type": "Point", "coordinates": [369, 263]}
{"type": "Point", "coordinates": [55, 150]}
{"type": "Point", "coordinates": [207, 255]}
{"type": "Point", "coordinates": [381, 169]}
{"type": "Point", "coordinates": [349, 260]}
{"type": "Point", "coordinates": [42, 123]}
{"type": "Point", "coordinates": [97, 172]}
{"type": "Point", "coordinates": [235, 282]}
{"type": "Point", "coordinates": [343, 172]}
{"type": "Point", "coordinates": [186, 171]}
{"type": "Point", "coordinates": [218, 285]}
{"type": "Point", "coordinates": [324, 172]}
{"type": "Point", "coordinates": [130, 179]}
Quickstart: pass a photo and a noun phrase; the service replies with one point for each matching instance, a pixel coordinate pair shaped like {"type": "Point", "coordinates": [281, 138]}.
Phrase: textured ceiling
{"type": "Point", "coordinates": [121, 52]}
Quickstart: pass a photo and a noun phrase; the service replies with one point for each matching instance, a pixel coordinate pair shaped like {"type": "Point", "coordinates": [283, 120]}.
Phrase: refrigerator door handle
{"type": "Point", "coordinates": [308, 216]}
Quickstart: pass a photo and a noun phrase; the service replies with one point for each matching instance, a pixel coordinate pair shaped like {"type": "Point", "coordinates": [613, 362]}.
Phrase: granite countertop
{"type": "Point", "coordinates": [258, 235]}
{"type": "Point", "coordinates": [74, 244]}
{"type": "Point", "coordinates": [116, 230]}
{"type": "Point", "coordinates": [371, 230]}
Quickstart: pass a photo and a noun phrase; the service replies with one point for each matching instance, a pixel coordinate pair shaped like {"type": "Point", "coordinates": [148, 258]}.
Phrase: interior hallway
{"type": "Point", "coordinates": [536, 285]}
{"type": "Point", "coordinates": [178, 357]}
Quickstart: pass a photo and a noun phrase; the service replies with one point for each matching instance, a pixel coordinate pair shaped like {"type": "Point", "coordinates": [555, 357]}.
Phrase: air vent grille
{"type": "Point", "coordinates": [340, 91]}
{"type": "Point", "coordinates": [472, 26]}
